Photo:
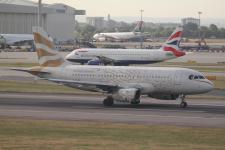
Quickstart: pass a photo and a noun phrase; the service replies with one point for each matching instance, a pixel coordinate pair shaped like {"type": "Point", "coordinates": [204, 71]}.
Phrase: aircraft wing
{"type": "Point", "coordinates": [102, 86]}
{"type": "Point", "coordinates": [31, 71]}
{"type": "Point", "coordinates": [14, 38]}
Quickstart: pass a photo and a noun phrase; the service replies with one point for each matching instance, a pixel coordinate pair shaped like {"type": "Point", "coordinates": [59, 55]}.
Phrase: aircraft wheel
{"type": "Point", "coordinates": [183, 104]}
{"type": "Point", "coordinates": [108, 101]}
{"type": "Point", "coordinates": [135, 102]}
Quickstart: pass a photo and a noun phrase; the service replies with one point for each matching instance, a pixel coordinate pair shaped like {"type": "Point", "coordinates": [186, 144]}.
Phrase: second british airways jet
{"type": "Point", "coordinates": [119, 57]}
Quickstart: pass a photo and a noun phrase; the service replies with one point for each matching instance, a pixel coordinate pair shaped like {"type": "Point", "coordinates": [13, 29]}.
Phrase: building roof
{"type": "Point", "coordinates": [26, 6]}
{"type": "Point", "coordinates": [19, 2]}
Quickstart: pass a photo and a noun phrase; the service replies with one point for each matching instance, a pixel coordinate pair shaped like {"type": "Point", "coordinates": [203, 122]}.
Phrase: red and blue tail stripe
{"type": "Point", "coordinates": [172, 43]}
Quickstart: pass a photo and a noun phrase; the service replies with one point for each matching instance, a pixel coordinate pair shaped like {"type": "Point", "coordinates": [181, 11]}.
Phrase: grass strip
{"type": "Point", "coordinates": [13, 86]}
{"type": "Point", "coordinates": [29, 134]}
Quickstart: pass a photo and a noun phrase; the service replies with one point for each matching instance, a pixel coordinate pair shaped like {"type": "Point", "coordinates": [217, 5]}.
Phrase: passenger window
{"type": "Point", "coordinates": [191, 77]}
{"type": "Point", "coordinates": [201, 77]}
{"type": "Point", "coordinates": [196, 77]}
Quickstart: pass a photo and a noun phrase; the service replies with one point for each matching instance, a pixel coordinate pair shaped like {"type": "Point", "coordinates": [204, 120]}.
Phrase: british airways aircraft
{"type": "Point", "coordinates": [117, 57]}
{"type": "Point", "coordinates": [11, 39]}
{"type": "Point", "coordinates": [119, 83]}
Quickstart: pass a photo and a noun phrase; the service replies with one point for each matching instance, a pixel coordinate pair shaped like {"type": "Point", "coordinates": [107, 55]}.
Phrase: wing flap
{"type": "Point", "coordinates": [102, 86]}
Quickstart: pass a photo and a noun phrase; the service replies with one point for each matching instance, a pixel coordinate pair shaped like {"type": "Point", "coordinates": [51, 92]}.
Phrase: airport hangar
{"type": "Point", "coordinates": [19, 16]}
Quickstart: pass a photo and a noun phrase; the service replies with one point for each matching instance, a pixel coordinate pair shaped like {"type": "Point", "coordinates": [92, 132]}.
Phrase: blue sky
{"type": "Point", "coordinates": [152, 8]}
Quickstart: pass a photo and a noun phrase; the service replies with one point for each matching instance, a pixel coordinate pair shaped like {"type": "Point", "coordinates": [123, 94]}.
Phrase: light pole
{"type": "Point", "coordinates": [141, 14]}
{"type": "Point", "coordinates": [199, 26]}
{"type": "Point", "coordinates": [39, 13]}
{"type": "Point", "coordinates": [141, 23]}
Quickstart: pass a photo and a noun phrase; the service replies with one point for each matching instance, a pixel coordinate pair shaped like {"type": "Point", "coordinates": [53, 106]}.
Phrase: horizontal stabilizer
{"type": "Point", "coordinates": [31, 71]}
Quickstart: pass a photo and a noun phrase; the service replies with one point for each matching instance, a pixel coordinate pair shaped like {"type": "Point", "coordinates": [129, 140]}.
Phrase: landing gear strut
{"type": "Point", "coordinates": [183, 103]}
{"type": "Point", "coordinates": [108, 101]}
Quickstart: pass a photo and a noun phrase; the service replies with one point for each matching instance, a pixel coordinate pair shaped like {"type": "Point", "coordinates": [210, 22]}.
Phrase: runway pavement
{"type": "Point", "coordinates": [200, 113]}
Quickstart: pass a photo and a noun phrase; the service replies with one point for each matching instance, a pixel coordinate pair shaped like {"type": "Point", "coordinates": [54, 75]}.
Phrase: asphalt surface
{"type": "Point", "coordinates": [200, 113]}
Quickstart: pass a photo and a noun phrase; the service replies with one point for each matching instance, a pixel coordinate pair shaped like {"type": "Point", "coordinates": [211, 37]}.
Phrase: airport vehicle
{"type": "Point", "coordinates": [120, 83]}
{"type": "Point", "coordinates": [117, 57]}
{"type": "Point", "coordinates": [11, 39]}
{"type": "Point", "coordinates": [120, 36]}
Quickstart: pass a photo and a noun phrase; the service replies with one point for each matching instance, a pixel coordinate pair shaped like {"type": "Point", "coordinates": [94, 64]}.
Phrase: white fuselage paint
{"type": "Point", "coordinates": [148, 79]}
{"type": "Point", "coordinates": [117, 36]}
{"type": "Point", "coordinates": [13, 38]}
{"type": "Point", "coordinates": [145, 55]}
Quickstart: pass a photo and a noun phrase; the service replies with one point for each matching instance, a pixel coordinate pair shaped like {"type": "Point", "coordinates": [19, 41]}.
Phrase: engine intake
{"type": "Point", "coordinates": [94, 62]}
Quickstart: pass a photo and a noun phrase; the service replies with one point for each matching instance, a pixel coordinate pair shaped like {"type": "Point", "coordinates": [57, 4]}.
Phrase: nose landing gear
{"type": "Point", "coordinates": [183, 103]}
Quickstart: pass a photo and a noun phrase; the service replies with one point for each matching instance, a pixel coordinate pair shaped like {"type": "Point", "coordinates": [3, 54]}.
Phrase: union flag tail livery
{"type": "Point", "coordinates": [47, 56]}
{"type": "Point", "coordinates": [172, 43]}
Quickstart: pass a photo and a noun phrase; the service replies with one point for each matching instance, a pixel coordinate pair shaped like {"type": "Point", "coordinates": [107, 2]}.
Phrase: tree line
{"type": "Point", "coordinates": [191, 30]}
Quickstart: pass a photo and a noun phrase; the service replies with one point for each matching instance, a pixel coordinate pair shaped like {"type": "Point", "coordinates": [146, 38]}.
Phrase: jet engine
{"type": "Point", "coordinates": [94, 62]}
{"type": "Point", "coordinates": [131, 95]}
{"type": "Point", "coordinates": [164, 96]}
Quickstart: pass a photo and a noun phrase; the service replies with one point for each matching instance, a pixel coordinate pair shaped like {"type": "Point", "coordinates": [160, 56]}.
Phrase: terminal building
{"type": "Point", "coordinates": [19, 16]}
{"type": "Point", "coordinates": [190, 20]}
{"type": "Point", "coordinates": [97, 22]}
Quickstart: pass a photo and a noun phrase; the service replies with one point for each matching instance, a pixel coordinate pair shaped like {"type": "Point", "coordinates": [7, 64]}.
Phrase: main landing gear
{"type": "Point", "coordinates": [183, 103]}
{"type": "Point", "coordinates": [108, 101]}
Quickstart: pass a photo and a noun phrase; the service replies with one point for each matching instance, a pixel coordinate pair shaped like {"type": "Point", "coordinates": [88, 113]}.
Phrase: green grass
{"type": "Point", "coordinates": [219, 84]}
{"type": "Point", "coordinates": [190, 63]}
{"type": "Point", "coordinates": [196, 66]}
{"type": "Point", "coordinates": [12, 86]}
{"type": "Point", "coordinates": [29, 134]}
{"type": "Point", "coordinates": [210, 69]}
{"type": "Point", "coordinates": [18, 64]}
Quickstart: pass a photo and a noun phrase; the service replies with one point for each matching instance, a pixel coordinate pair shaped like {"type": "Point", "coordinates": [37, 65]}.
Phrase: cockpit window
{"type": "Point", "coordinates": [191, 77]}
{"type": "Point", "coordinates": [201, 77]}
{"type": "Point", "coordinates": [196, 77]}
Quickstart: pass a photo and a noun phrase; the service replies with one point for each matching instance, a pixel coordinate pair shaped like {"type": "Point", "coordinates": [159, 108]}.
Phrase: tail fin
{"type": "Point", "coordinates": [173, 42]}
{"type": "Point", "coordinates": [139, 26]}
{"type": "Point", "coordinates": [47, 56]}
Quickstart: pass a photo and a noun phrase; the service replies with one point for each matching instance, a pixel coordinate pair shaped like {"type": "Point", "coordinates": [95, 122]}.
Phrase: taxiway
{"type": "Point", "coordinates": [200, 113]}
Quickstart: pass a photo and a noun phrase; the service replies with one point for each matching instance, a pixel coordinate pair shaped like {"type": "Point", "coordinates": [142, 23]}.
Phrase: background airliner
{"type": "Point", "coordinates": [11, 39]}
{"type": "Point", "coordinates": [124, 57]}
{"type": "Point", "coordinates": [123, 84]}
{"type": "Point", "coordinates": [120, 36]}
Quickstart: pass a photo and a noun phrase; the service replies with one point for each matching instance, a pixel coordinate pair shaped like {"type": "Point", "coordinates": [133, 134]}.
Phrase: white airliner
{"type": "Point", "coordinates": [124, 57]}
{"type": "Point", "coordinates": [123, 84]}
{"type": "Point", "coordinates": [11, 39]}
{"type": "Point", "coordinates": [120, 36]}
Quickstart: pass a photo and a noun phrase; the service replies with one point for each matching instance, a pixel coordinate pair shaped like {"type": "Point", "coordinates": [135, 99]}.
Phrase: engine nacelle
{"type": "Point", "coordinates": [164, 96]}
{"type": "Point", "coordinates": [127, 95]}
{"type": "Point", "coordinates": [94, 62]}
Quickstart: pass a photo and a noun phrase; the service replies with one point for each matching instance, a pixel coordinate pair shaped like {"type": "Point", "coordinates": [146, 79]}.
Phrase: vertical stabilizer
{"type": "Point", "coordinates": [172, 43]}
{"type": "Point", "coordinates": [47, 56]}
{"type": "Point", "coordinates": [139, 26]}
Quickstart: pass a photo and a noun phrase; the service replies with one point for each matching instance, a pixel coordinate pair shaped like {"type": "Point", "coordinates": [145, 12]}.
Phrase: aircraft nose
{"type": "Point", "coordinates": [95, 36]}
{"type": "Point", "coordinates": [209, 86]}
{"type": "Point", "coordinates": [69, 56]}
